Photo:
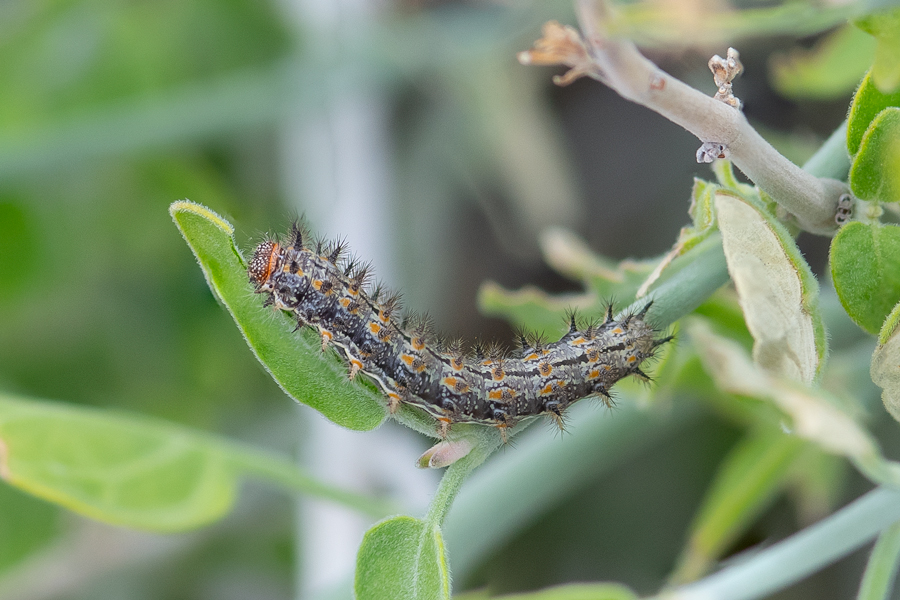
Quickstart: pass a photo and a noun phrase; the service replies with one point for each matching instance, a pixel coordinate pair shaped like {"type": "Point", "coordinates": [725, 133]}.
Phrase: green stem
{"type": "Point", "coordinates": [801, 554]}
{"type": "Point", "coordinates": [452, 481]}
{"type": "Point", "coordinates": [878, 580]}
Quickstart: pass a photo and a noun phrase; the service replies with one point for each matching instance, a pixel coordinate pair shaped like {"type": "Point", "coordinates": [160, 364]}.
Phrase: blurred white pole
{"type": "Point", "coordinates": [335, 163]}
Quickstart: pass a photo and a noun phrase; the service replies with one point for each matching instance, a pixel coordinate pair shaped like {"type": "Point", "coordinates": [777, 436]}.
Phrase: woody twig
{"type": "Point", "coordinates": [717, 121]}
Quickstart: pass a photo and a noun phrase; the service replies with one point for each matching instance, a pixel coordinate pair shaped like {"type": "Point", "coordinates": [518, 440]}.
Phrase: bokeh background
{"type": "Point", "coordinates": [406, 127]}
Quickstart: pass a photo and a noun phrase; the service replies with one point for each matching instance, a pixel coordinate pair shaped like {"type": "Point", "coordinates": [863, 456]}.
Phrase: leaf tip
{"type": "Point", "coordinates": [186, 206]}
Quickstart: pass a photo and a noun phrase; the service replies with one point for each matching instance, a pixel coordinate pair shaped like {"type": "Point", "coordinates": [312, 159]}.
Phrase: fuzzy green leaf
{"type": "Point", "coordinates": [885, 27]}
{"type": "Point", "coordinates": [875, 174]}
{"type": "Point", "coordinates": [749, 478]}
{"type": "Point", "coordinates": [294, 359]}
{"type": "Point", "coordinates": [867, 103]}
{"type": "Point", "coordinates": [885, 369]}
{"type": "Point", "coordinates": [865, 268]}
{"type": "Point", "coordinates": [126, 471]}
{"type": "Point", "coordinates": [777, 290]}
{"type": "Point", "coordinates": [402, 558]}
{"type": "Point", "coordinates": [136, 471]}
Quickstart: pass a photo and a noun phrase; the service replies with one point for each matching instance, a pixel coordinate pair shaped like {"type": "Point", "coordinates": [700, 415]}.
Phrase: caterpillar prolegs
{"type": "Point", "coordinates": [490, 386]}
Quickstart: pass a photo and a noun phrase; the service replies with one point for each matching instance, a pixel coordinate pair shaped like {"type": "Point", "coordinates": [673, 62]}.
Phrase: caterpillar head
{"type": "Point", "coordinates": [263, 262]}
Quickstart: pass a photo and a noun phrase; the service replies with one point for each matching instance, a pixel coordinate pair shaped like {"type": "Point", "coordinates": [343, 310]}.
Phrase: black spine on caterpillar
{"type": "Point", "coordinates": [494, 388]}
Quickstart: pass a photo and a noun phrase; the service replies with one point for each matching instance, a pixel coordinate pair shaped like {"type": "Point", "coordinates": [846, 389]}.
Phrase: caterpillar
{"type": "Point", "coordinates": [491, 386]}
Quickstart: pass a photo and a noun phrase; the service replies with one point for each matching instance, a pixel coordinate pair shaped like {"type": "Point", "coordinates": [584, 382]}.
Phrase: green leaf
{"type": "Point", "coordinates": [881, 570]}
{"type": "Point", "coordinates": [885, 27]}
{"type": "Point", "coordinates": [113, 469]}
{"type": "Point", "coordinates": [885, 369]}
{"type": "Point", "coordinates": [402, 558]}
{"type": "Point", "coordinates": [831, 69]}
{"type": "Point", "coordinates": [702, 210]}
{"type": "Point", "coordinates": [136, 471]}
{"type": "Point", "coordinates": [294, 359]}
{"type": "Point", "coordinates": [865, 268]}
{"type": "Point", "coordinates": [776, 287]}
{"type": "Point", "coordinates": [867, 103]}
{"type": "Point", "coordinates": [748, 480]}
{"type": "Point", "coordinates": [875, 174]}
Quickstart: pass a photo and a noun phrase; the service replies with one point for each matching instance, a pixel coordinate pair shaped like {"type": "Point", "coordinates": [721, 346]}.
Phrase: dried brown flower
{"type": "Point", "coordinates": [560, 45]}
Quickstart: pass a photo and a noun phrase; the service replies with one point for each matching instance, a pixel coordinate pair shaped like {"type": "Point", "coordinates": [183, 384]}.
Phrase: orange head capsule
{"type": "Point", "coordinates": [263, 262]}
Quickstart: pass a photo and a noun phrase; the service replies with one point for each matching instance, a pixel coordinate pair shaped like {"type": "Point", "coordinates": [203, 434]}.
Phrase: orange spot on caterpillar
{"type": "Point", "coordinates": [618, 331]}
{"type": "Point", "coordinates": [457, 363]}
{"type": "Point", "coordinates": [594, 374]}
{"type": "Point", "coordinates": [531, 356]}
{"type": "Point", "coordinates": [545, 369]}
{"type": "Point", "coordinates": [393, 402]}
{"type": "Point", "coordinates": [498, 374]}
{"type": "Point", "coordinates": [345, 302]}
{"type": "Point", "coordinates": [548, 389]}
{"type": "Point", "coordinates": [374, 327]}
{"type": "Point", "coordinates": [579, 341]}
{"type": "Point", "coordinates": [505, 394]}
{"type": "Point", "coordinates": [418, 343]}
{"type": "Point", "coordinates": [415, 363]}
{"type": "Point", "coordinates": [631, 359]}
{"type": "Point", "coordinates": [457, 385]}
